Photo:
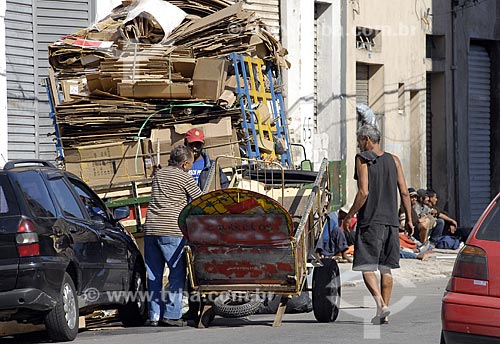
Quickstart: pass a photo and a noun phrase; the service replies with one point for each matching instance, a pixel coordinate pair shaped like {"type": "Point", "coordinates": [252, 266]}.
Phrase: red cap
{"type": "Point", "coordinates": [195, 135]}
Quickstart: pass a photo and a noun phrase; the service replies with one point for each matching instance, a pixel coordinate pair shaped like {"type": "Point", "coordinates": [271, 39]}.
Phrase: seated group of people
{"type": "Point", "coordinates": [433, 227]}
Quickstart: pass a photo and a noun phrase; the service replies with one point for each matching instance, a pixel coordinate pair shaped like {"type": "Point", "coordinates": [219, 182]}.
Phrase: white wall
{"type": "Point", "coordinates": [4, 138]}
{"type": "Point", "coordinates": [402, 55]}
{"type": "Point", "coordinates": [297, 32]}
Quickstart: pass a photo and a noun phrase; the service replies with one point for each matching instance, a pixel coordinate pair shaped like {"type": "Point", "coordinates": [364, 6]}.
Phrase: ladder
{"type": "Point", "coordinates": [262, 125]}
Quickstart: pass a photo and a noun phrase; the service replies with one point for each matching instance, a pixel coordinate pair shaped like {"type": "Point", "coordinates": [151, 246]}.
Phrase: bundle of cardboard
{"type": "Point", "coordinates": [152, 65]}
{"type": "Point", "coordinates": [231, 29]}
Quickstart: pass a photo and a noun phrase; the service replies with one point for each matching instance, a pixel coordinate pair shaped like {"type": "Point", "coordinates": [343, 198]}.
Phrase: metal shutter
{"type": "Point", "coordinates": [22, 128]}
{"type": "Point", "coordinates": [362, 83]}
{"type": "Point", "coordinates": [268, 11]}
{"type": "Point", "coordinates": [428, 130]}
{"type": "Point", "coordinates": [479, 130]}
{"type": "Point", "coordinates": [30, 27]}
{"type": "Point", "coordinates": [54, 19]}
{"type": "Point", "coordinates": [316, 66]}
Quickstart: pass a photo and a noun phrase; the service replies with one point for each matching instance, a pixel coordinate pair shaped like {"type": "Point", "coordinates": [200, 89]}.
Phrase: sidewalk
{"type": "Point", "coordinates": [439, 265]}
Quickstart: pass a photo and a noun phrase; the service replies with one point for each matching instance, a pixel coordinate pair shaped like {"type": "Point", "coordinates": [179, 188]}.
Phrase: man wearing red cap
{"type": "Point", "coordinates": [195, 138]}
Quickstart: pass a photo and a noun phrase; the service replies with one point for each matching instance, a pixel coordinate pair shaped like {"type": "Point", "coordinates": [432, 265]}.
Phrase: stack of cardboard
{"type": "Point", "coordinates": [132, 77]}
{"type": "Point", "coordinates": [231, 29]}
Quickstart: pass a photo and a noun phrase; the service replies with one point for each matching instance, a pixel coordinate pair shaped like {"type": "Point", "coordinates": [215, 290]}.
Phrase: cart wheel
{"type": "Point", "coordinates": [226, 307]}
{"type": "Point", "coordinates": [326, 291]}
{"type": "Point", "coordinates": [206, 316]}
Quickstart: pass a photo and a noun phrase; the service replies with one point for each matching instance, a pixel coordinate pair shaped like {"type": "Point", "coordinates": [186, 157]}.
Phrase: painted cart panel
{"type": "Point", "coordinates": [240, 240]}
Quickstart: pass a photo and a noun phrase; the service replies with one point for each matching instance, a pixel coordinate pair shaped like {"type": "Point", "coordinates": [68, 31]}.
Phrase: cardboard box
{"type": "Point", "coordinates": [218, 133]}
{"type": "Point", "coordinates": [263, 112]}
{"type": "Point", "coordinates": [209, 78]}
{"type": "Point", "coordinates": [232, 83]}
{"type": "Point", "coordinates": [184, 66]}
{"type": "Point", "coordinates": [214, 128]}
{"type": "Point", "coordinates": [154, 89]}
{"type": "Point", "coordinates": [74, 87]}
{"type": "Point", "coordinates": [223, 145]}
{"type": "Point", "coordinates": [94, 82]}
{"type": "Point", "coordinates": [105, 164]}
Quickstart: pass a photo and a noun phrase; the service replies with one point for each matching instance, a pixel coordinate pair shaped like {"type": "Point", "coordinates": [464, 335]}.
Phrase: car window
{"type": "Point", "coordinates": [36, 194]}
{"type": "Point", "coordinates": [489, 229]}
{"type": "Point", "coordinates": [93, 204]}
{"type": "Point", "coordinates": [8, 204]}
{"type": "Point", "coordinates": [66, 198]}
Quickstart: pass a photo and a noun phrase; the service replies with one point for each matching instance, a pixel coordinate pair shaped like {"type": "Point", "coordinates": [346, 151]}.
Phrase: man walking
{"type": "Point", "coordinates": [379, 176]}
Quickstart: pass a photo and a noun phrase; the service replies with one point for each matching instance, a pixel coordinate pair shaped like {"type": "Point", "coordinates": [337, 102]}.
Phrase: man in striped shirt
{"type": "Point", "coordinates": [172, 189]}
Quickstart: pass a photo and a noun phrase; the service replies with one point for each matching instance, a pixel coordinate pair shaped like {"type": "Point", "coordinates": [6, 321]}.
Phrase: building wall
{"type": "Point", "coordinates": [442, 133]}
{"type": "Point", "coordinates": [313, 102]}
{"type": "Point", "coordinates": [3, 89]}
{"type": "Point", "coordinates": [474, 23]}
{"type": "Point", "coordinates": [397, 70]}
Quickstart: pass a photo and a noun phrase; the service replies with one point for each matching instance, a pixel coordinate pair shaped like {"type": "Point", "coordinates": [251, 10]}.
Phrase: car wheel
{"type": "Point", "coordinates": [134, 312]}
{"type": "Point", "coordinates": [62, 321]}
{"type": "Point", "coordinates": [326, 291]}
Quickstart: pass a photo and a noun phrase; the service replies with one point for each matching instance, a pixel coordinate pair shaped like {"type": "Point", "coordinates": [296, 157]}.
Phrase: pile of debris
{"type": "Point", "coordinates": [151, 65]}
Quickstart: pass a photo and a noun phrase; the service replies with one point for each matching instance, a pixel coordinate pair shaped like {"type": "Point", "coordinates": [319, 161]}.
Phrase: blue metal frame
{"type": "Point", "coordinates": [279, 115]}
{"type": "Point", "coordinates": [52, 115]}
{"type": "Point", "coordinates": [249, 123]}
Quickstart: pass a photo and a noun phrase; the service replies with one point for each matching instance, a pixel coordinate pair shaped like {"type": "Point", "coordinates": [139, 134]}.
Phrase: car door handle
{"type": "Point", "coordinates": [73, 229]}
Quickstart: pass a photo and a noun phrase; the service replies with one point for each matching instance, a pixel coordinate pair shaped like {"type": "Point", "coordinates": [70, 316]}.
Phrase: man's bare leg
{"type": "Point", "coordinates": [386, 282]}
{"type": "Point", "coordinates": [371, 282]}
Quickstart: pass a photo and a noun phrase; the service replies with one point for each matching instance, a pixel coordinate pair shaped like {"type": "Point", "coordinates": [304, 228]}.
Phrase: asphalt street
{"type": "Point", "coordinates": [415, 319]}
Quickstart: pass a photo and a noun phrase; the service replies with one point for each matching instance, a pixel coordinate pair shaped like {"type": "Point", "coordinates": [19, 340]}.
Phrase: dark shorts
{"type": "Point", "coordinates": [376, 248]}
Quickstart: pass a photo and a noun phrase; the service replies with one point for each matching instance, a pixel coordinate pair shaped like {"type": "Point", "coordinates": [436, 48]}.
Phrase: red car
{"type": "Point", "coordinates": [470, 310]}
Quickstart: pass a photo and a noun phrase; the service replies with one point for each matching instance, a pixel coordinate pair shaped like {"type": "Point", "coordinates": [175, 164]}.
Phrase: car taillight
{"type": "Point", "coordinates": [27, 239]}
{"type": "Point", "coordinates": [471, 263]}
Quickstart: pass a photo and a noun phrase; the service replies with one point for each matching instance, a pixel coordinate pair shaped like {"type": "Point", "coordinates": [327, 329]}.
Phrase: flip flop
{"type": "Point", "coordinates": [385, 313]}
{"type": "Point", "coordinates": [382, 317]}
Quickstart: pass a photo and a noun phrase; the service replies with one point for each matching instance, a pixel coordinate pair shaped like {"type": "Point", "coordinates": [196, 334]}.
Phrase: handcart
{"type": "Point", "coordinates": [258, 238]}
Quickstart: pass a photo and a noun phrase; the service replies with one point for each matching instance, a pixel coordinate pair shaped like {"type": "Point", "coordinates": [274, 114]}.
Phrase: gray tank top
{"type": "Point", "coordinates": [381, 206]}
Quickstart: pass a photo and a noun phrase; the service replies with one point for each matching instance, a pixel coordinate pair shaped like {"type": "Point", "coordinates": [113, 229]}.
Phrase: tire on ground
{"type": "Point", "coordinates": [326, 291]}
{"type": "Point", "coordinates": [134, 312]}
{"type": "Point", "coordinates": [62, 321]}
{"type": "Point", "coordinates": [226, 307]}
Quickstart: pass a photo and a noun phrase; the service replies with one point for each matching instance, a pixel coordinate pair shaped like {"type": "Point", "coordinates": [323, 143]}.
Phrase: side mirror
{"type": "Point", "coordinates": [121, 213]}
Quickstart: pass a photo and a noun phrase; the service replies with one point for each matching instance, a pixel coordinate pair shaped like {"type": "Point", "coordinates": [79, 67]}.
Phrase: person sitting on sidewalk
{"type": "Point", "coordinates": [402, 217]}
{"type": "Point", "coordinates": [449, 225]}
{"type": "Point", "coordinates": [426, 219]}
{"type": "Point", "coordinates": [334, 243]}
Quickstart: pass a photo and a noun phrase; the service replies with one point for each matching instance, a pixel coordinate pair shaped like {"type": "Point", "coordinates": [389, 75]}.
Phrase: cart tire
{"type": "Point", "coordinates": [196, 306]}
{"type": "Point", "coordinates": [326, 291]}
{"type": "Point", "coordinates": [226, 307]}
{"type": "Point", "coordinates": [206, 318]}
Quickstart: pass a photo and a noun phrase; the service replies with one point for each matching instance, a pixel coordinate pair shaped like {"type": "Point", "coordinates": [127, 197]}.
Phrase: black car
{"type": "Point", "coordinates": [63, 253]}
